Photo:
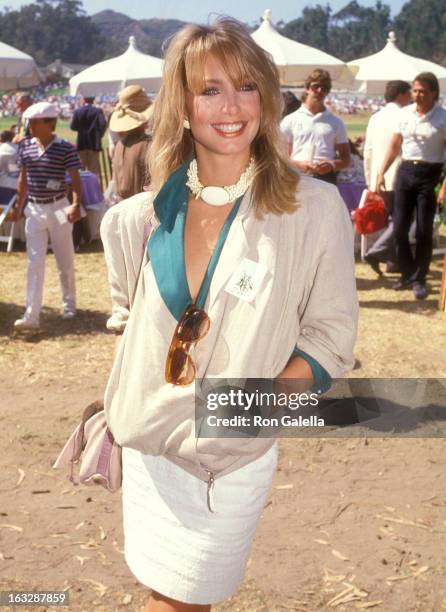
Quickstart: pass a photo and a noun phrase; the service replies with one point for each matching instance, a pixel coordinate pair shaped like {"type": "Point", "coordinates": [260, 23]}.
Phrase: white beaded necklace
{"type": "Point", "coordinates": [219, 196]}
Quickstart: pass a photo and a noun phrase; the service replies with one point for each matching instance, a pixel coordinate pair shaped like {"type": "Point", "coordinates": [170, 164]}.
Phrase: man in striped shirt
{"type": "Point", "coordinates": [44, 159]}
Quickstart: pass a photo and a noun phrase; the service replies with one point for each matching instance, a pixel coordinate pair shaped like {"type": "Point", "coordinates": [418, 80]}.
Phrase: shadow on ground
{"type": "Point", "coordinates": [409, 305]}
{"type": "Point", "coordinates": [94, 246]}
{"type": "Point", "coordinates": [387, 281]}
{"type": "Point", "coordinates": [86, 322]}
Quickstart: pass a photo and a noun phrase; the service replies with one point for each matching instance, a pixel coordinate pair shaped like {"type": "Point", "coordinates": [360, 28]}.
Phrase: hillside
{"type": "Point", "coordinates": [149, 33]}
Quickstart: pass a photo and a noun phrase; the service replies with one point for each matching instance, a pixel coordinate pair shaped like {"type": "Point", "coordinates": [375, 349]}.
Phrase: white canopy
{"type": "Point", "coordinates": [17, 69]}
{"type": "Point", "coordinates": [294, 60]}
{"type": "Point", "coordinates": [389, 64]}
{"type": "Point", "coordinates": [131, 68]}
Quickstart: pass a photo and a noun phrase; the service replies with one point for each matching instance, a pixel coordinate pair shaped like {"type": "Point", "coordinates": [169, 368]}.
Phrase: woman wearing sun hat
{"type": "Point", "coordinates": [130, 120]}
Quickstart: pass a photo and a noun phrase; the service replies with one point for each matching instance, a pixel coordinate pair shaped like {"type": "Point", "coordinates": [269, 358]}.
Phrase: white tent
{"type": "Point", "coordinates": [389, 64]}
{"type": "Point", "coordinates": [131, 68]}
{"type": "Point", "coordinates": [295, 60]}
{"type": "Point", "coordinates": [17, 69]}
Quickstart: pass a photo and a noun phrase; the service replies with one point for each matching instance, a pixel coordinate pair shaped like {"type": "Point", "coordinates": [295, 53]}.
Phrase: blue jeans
{"type": "Point", "coordinates": [414, 191]}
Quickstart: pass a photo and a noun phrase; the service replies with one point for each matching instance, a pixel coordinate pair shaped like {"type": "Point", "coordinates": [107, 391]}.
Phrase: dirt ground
{"type": "Point", "coordinates": [352, 524]}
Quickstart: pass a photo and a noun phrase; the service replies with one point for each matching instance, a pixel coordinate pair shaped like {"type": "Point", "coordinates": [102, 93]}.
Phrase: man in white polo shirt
{"type": "Point", "coordinates": [317, 139]}
{"type": "Point", "coordinates": [379, 133]}
{"type": "Point", "coordinates": [420, 136]}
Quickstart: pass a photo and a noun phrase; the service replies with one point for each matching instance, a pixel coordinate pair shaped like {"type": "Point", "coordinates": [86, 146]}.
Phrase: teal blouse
{"type": "Point", "coordinates": [166, 253]}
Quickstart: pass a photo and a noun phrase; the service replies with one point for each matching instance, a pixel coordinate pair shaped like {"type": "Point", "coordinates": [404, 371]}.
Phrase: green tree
{"type": "Point", "coordinates": [421, 29]}
{"type": "Point", "coordinates": [357, 31]}
{"type": "Point", "coordinates": [51, 29]}
{"type": "Point", "coordinates": [312, 28]}
{"type": "Point", "coordinates": [352, 32]}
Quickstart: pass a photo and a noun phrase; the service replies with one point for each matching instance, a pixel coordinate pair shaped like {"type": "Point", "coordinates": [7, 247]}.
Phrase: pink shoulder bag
{"type": "Point", "coordinates": [92, 444]}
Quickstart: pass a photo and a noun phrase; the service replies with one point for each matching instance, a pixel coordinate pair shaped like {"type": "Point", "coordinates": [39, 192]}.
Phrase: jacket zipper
{"type": "Point", "coordinates": [210, 490]}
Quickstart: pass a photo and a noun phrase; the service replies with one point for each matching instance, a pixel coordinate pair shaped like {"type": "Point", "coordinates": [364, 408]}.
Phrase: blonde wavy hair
{"type": "Point", "coordinates": [228, 41]}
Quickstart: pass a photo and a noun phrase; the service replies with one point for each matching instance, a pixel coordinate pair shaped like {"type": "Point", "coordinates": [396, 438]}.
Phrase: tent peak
{"type": "Point", "coordinates": [391, 38]}
{"type": "Point", "coordinates": [268, 15]}
{"type": "Point", "coordinates": [133, 67]}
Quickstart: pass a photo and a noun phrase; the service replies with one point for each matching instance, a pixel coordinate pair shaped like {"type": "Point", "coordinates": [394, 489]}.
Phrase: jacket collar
{"type": "Point", "coordinates": [168, 203]}
{"type": "Point", "coordinates": [171, 197]}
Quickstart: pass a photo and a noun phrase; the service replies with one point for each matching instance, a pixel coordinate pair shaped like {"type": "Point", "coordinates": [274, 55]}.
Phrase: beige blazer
{"type": "Point", "coordinates": [307, 298]}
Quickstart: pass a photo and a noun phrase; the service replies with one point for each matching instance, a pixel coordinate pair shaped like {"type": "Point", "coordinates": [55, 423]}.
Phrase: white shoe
{"type": "Point", "coordinates": [24, 324]}
{"type": "Point", "coordinates": [68, 314]}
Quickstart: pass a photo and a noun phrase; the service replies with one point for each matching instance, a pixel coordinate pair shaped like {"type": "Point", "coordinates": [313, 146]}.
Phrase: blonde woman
{"type": "Point", "coordinates": [225, 202]}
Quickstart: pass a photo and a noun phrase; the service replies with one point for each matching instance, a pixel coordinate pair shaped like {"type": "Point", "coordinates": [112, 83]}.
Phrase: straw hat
{"type": "Point", "coordinates": [133, 109]}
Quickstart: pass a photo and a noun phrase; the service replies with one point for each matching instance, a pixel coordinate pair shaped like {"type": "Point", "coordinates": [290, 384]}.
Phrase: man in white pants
{"type": "Point", "coordinates": [44, 158]}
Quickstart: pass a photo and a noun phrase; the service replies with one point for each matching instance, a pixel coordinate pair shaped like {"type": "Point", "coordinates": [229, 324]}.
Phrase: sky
{"type": "Point", "coordinates": [198, 10]}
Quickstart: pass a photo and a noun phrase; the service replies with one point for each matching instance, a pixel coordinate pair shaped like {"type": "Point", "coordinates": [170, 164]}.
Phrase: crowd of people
{"type": "Point", "coordinates": [55, 94]}
{"type": "Point", "coordinates": [341, 103]}
{"type": "Point", "coordinates": [318, 146]}
{"type": "Point", "coordinates": [404, 160]}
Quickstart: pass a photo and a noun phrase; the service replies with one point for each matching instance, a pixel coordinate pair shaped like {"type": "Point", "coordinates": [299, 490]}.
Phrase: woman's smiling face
{"type": "Point", "coordinates": [224, 119]}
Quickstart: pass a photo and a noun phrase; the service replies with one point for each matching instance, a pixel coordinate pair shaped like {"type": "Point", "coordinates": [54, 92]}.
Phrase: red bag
{"type": "Point", "coordinates": [371, 216]}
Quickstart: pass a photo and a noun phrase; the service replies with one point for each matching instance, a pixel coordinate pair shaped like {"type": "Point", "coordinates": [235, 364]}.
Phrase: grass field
{"type": "Point", "coordinates": [356, 124]}
{"type": "Point", "coordinates": [63, 128]}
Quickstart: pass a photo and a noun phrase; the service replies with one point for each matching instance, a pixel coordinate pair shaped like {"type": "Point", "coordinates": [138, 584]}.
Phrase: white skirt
{"type": "Point", "coordinates": [173, 543]}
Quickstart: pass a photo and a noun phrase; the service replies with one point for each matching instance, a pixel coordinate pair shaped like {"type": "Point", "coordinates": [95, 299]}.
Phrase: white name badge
{"type": "Point", "coordinates": [61, 215]}
{"type": "Point", "coordinates": [53, 185]}
{"type": "Point", "coordinates": [245, 282]}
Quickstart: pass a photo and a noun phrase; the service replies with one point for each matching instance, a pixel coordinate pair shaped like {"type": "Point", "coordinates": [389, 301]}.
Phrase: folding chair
{"type": "Point", "coordinates": [8, 196]}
